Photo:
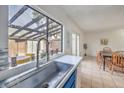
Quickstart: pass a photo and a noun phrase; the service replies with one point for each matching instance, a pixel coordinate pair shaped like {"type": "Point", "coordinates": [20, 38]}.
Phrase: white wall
{"type": "Point", "coordinates": [115, 40]}
{"type": "Point", "coordinates": [3, 36]}
{"type": "Point", "coordinates": [3, 27]}
{"type": "Point", "coordinates": [68, 39]}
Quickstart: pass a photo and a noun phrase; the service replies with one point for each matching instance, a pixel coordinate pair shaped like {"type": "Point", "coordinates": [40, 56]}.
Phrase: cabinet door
{"type": "Point", "coordinates": [71, 81]}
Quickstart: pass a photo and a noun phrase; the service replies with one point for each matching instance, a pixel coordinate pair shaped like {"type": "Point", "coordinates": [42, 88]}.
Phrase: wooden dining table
{"type": "Point", "coordinates": [105, 55]}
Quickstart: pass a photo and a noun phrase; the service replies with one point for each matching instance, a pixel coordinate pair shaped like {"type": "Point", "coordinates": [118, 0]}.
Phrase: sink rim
{"type": "Point", "coordinates": [25, 75]}
{"type": "Point", "coordinates": [61, 77]}
{"type": "Point", "coordinates": [30, 72]}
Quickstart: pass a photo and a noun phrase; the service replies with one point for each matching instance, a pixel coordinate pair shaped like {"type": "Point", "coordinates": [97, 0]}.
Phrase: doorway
{"type": "Point", "coordinates": [75, 44]}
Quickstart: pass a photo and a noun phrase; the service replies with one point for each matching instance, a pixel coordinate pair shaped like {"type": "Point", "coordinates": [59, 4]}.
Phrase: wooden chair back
{"type": "Point", "coordinates": [118, 60]}
{"type": "Point", "coordinates": [99, 57]}
{"type": "Point", "coordinates": [107, 49]}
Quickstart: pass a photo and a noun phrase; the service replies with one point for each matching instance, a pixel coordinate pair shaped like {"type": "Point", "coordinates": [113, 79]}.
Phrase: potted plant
{"type": "Point", "coordinates": [85, 48]}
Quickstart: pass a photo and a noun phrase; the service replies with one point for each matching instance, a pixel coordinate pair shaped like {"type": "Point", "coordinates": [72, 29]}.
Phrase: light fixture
{"type": "Point", "coordinates": [53, 37]}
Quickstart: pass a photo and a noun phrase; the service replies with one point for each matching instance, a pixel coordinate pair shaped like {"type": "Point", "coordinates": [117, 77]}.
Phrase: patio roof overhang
{"type": "Point", "coordinates": [32, 32]}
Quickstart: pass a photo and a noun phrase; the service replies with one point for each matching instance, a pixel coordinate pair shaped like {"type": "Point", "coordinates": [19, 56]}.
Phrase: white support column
{"type": "Point", "coordinates": [3, 26]}
{"type": "Point", "coordinates": [3, 35]}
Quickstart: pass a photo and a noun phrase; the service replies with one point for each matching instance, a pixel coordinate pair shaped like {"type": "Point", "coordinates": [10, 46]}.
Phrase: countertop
{"type": "Point", "coordinates": [69, 59]}
{"type": "Point", "coordinates": [74, 60]}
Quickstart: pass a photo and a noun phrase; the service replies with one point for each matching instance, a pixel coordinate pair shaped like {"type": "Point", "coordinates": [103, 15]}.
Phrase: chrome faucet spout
{"type": "Point", "coordinates": [38, 49]}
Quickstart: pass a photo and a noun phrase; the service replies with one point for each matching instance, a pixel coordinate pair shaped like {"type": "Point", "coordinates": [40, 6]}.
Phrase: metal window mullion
{"type": "Point", "coordinates": [47, 36]}
{"type": "Point", "coordinates": [61, 38]}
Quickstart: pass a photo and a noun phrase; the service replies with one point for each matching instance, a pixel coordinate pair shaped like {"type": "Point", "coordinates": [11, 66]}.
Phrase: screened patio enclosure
{"type": "Point", "coordinates": [27, 26]}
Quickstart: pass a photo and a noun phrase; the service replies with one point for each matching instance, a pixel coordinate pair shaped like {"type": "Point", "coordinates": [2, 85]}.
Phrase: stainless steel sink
{"type": "Point", "coordinates": [47, 76]}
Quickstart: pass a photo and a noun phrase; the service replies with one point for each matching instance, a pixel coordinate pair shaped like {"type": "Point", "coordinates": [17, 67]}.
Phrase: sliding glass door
{"type": "Point", "coordinates": [75, 44]}
{"type": "Point", "coordinates": [78, 45]}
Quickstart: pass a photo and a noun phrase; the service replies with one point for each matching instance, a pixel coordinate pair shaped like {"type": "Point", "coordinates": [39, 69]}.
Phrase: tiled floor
{"type": "Point", "coordinates": [90, 76]}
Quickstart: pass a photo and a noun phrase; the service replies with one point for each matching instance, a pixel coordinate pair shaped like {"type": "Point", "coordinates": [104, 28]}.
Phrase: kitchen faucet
{"type": "Point", "coordinates": [38, 49]}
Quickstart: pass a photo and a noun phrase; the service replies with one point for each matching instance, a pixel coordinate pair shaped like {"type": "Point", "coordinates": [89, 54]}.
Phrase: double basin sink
{"type": "Point", "coordinates": [47, 76]}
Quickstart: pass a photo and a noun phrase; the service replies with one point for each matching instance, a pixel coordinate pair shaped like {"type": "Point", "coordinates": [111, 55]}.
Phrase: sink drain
{"type": "Point", "coordinates": [45, 85]}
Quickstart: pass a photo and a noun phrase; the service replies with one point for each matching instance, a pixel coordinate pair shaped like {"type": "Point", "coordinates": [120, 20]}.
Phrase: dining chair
{"type": "Point", "coordinates": [108, 64]}
{"type": "Point", "coordinates": [107, 49]}
{"type": "Point", "coordinates": [117, 61]}
{"type": "Point", "coordinates": [99, 59]}
{"type": "Point", "coordinates": [108, 60]}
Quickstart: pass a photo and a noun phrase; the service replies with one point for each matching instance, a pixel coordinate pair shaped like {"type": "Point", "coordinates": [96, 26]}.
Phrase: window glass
{"type": "Point", "coordinates": [26, 27]}
{"type": "Point", "coordinates": [55, 39]}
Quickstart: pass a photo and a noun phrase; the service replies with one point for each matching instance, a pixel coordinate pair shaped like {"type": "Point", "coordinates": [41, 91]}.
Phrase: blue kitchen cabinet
{"type": "Point", "coordinates": [71, 82]}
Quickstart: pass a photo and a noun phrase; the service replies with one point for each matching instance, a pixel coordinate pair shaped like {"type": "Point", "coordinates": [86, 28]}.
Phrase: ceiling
{"type": "Point", "coordinates": [90, 17]}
